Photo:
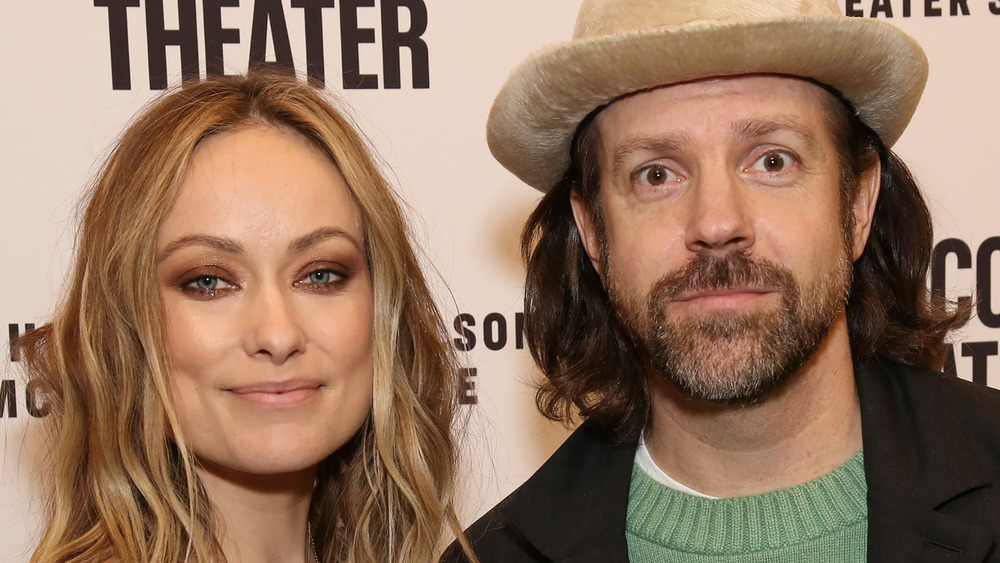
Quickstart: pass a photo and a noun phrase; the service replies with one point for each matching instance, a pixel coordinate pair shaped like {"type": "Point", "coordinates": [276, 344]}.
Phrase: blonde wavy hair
{"type": "Point", "coordinates": [121, 489]}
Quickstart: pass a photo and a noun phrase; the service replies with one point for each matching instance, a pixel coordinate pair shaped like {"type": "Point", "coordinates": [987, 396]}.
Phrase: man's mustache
{"type": "Point", "coordinates": [735, 269]}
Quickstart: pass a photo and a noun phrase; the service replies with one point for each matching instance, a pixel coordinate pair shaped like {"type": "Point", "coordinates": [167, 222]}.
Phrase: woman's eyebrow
{"type": "Point", "coordinates": [232, 247]}
{"type": "Point", "coordinates": [219, 243]}
{"type": "Point", "coordinates": [304, 242]}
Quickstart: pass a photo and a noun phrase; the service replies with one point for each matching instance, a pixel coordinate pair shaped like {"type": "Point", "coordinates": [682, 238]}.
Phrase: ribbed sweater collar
{"type": "Point", "coordinates": [772, 520]}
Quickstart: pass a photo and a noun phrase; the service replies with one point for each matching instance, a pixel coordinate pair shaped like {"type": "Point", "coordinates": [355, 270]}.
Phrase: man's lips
{"type": "Point", "coordinates": [723, 297]}
{"type": "Point", "coordinates": [284, 393]}
{"type": "Point", "coordinates": [722, 292]}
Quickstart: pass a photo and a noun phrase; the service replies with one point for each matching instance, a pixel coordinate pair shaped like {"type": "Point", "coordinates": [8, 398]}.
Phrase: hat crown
{"type": "Point", "coordinates": [625, 46]}
{"type": "Point", "coordinates": [608, 17]}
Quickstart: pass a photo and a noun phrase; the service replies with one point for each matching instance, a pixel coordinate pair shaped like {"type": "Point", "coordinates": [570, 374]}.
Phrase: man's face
{"type": "Point", "coordinates": [724, 248]}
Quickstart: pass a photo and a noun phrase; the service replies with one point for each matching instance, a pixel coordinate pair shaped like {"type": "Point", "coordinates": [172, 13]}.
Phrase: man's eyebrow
{"type": "Point", "coordinates": [662, 144]}
{"type": "Point", "coordinates": [756, 128]}
{"type": "Point", "coordinates": [219, 243]}
{"type": "Point", "coordinates": [306, 241]}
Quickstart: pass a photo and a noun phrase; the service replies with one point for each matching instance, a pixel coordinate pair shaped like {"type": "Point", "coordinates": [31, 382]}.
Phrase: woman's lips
{"type": "Point", "coordinates": [286, 393]}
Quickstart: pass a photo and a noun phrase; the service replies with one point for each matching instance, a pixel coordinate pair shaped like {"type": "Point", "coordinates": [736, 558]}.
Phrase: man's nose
{"type": "Point", "coordinates": [273, 329]}
{"type": "Point", "coordinates": [719, 213]}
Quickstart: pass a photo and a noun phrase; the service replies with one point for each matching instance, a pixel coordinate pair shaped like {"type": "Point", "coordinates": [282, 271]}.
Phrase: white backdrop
{"type": "Point", "coordinates": [60, 109]}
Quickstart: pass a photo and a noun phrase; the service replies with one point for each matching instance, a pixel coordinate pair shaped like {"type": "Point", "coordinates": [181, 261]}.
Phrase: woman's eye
{"type": "Point", "coordinates": [322, 277]}
{"type": "Point", "coordinates": [207, 283]}
{"type": "Point", "coordinates": [772, 162]}
{"type": "Point", "coordinates": [655, 175]}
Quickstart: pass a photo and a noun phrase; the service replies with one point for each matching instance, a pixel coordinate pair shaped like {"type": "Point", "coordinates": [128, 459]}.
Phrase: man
{"type": "Point", "coordinates": [726, 280]}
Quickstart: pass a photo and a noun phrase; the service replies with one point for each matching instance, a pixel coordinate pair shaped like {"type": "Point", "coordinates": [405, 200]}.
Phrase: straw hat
{"type": "Point", "coordinates": [623, 46]}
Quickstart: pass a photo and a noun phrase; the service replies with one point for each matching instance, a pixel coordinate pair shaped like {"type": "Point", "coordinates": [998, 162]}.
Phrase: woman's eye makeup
{"type": "Point", "coordinates": [206, 282]}
{"type": "Point", "coordinates": [322, 279]}
{"type": "Point", "coordinates": [211, 281]}
{"type": "Point", "coordinates": [205, 285]}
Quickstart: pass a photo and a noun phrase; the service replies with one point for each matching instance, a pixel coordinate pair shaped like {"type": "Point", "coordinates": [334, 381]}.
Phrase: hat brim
{"type": "Point", "coordinates": [878, 68]}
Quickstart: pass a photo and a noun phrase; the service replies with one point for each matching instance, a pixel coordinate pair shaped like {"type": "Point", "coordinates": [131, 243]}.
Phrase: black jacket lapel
{"type": "Point", "coordinates": [573, 509]}
{"type": "Point", "coordinates": [931, 495]}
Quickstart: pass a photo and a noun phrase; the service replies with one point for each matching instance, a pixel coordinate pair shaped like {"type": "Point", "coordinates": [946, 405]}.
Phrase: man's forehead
{"type": "Point", "coordinates": [739, 98]}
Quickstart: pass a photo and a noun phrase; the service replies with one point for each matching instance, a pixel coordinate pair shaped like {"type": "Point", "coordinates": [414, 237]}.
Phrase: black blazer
{"type": "Point", "coordinates": [932, 463]}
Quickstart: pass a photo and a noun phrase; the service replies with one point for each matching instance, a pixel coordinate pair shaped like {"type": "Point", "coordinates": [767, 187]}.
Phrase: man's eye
{"type": "Point", "coordinates": [655, 175]}
{"type": "Point", "coordinates": [772, 162]}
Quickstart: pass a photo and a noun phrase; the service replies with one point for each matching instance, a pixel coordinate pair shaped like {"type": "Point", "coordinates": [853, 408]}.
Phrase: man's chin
{"type": "Point", "coordinates": [728, 391]}
{"type": "Point", "coordinates": [727, 367]}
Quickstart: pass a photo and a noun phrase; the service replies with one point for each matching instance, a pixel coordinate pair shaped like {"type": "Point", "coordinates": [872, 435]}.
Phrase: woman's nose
{"type": "Point", "coordinates": [273, 329]}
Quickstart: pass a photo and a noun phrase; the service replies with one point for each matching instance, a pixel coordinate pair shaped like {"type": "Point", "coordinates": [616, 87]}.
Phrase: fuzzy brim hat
{"type": "Point", "coordinates": [625, 46]}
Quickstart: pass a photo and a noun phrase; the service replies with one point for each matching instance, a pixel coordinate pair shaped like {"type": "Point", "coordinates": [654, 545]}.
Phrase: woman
{"type": "Point", "coordinates": [246, 364]}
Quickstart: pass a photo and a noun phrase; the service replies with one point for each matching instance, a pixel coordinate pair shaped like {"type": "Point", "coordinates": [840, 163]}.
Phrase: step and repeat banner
{"type": "Point", "coordinates": [420, 76]}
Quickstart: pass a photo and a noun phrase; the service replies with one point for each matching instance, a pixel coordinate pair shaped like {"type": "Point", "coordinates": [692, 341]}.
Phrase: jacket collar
{"type": "Point", "coordinates": [573, 508]}
{"type": "Point", "coordinates": [918, 460]}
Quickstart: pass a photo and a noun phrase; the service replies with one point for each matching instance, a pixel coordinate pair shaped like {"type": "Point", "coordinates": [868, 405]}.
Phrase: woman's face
{"type": "Point", "coordinates": [268, 304]}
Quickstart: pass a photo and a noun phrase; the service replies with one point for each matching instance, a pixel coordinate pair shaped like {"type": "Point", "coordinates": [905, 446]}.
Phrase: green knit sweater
{"type": "Point", "coordinates": [825, 519]}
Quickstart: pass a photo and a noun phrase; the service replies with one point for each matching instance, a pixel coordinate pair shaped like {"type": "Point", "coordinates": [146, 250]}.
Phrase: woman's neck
{"type": "Point", "coordinates": [260, 518]}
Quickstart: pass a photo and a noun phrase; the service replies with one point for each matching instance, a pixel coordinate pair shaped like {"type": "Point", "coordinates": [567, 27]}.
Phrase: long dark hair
{"type": "Point", "coordinates": [589, 360]}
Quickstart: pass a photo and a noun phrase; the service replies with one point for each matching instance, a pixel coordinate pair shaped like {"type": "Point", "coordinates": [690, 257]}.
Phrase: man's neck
{"type": "Point", "coordinates": [804, 429]}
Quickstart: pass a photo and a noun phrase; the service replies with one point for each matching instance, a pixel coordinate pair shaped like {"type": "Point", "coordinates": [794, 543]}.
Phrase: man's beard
{"type": "Point", "coordinates": [731, 356]}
